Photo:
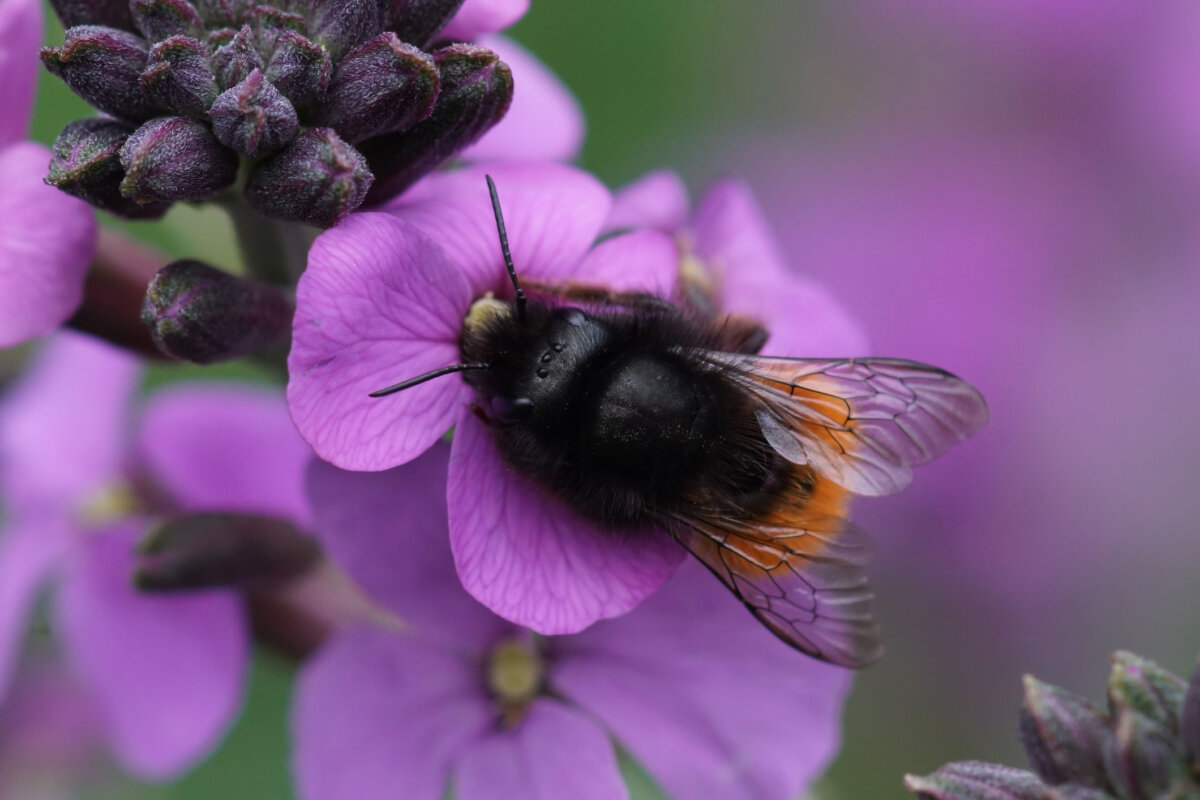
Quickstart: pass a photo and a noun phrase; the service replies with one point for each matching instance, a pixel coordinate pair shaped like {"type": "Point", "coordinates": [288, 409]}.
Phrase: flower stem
{"type": "Point", "coordinates": [114, 291]}
{"type": "Point", "coordinates": [272, 251]}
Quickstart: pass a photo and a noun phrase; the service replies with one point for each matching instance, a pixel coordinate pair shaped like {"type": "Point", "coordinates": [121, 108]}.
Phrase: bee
{"type": "Point", "coordinates": [633, 410]}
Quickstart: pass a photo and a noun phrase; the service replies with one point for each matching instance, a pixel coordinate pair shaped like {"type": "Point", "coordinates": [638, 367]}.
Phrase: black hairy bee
{"type": "Point", "coordinates": [632, 410]}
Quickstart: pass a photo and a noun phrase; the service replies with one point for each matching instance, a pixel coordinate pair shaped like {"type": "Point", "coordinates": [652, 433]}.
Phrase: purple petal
{"type": "Point", "coordinates": [46, 241]}
{"type": "Point", "coordinates": [20, 37]}
{"type": "Point", "coordinates": [730, 229]}
{"type": "Point", "coordinates": [29, 550]}
{"type": "Point", "coordinates": [732, 238]}
{"type": "Point", "coordinates": [552, 212]}
{"type": "Point", "coordinates": [642, 261]}
{"type": "Point", "coordinates": [483, 16]}
{"type": "Point", "coordinates": [554, 752]}
{"type": "Point", "coordinates": [656, 200]}
{"type": "Point", "coordinates": [544, 122]}
{"type": "Point", "coordinates": [63, 425]}
{"type": "Point", "coordinates": [704, 697]}
{"type": "Point", "coordinates": [226, 448]}
{"type": "Point", "coordinates": [388, 531]}
{"type": "Point", "coordinates": [166, 672]}
{"type": "Point", "coordinates": [803, 318]}
{"type": "Point", "coordinates": [532, 560]}
{"type": "Point", "coordinates": [380, 715]}
{"type": "Point", "coordinates": [379, 303]}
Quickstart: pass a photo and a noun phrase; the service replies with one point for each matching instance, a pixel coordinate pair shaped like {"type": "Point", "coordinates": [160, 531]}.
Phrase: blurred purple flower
{"type": "Point", "coordinates": [384, 297]}
{"type": "Point", "coordinates": [50, 739]}
{"type": "Point", "coordinates": [478, 17]}
{"type": "Point", "coordinates": [46, 237]}
{"type": "Point", "coordinates": [705, 699]}
{"type": "Point", "coordinates": [165, 672]}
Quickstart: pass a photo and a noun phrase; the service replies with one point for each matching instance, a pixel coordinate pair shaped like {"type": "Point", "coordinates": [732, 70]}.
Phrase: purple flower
{"type": "Point", "coordinates": [708, 702]}
{"type": "Point", "coordinates": [384, 298]}
{"type": "Point", "coordinates": [478, 17]}
{"type": "Point", "coordinates": [165, 671]}
{"type": "Point", "coordinates": [46, 237]}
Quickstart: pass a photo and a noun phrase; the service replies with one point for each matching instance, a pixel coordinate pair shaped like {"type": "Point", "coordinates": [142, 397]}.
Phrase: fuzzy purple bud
{"type": "Point", "coordinates": [253, 118]}
{"type": "Point", "coordinates": [161, 19]}
{"type": "Point", "coordinates": [342, 25]}
{"type": "Point", "coordinates": [269, 23]}
{"type": "Point", "coordinates": [102, 65]}
{"type": "Point", "coordinates": [384, 86]}
{"type": "Point", "coordinates": [1141, 685]}
{"type": "Point", "coordinates": [1142, 762]}
{"type": "Point", "coordinates": [1063, 734]}
{"type": "Point", "coordinates": [477, 90]}
{"type": "Point", "coordinates": [223, 13]}
{"type": "Point", "coordinates": [299, 69]}
{"type": "Point", "coordinates": [201, 314]}
{"type": "Point", "coordinates": [1070, 792]}
{"type": "Point", "coordinates": [317, 179]}
{"type": "Point", "coordinates": [420, 21]}
{"type": "Point", "coordinates": [86, 162]}
{"type": "Point", "coordinates": [178, 77]}
{"type": "Point", "coordinates": [1190, 722]}
{"type": "Point", "coordinates": [235, 59]}
{"type": "Point", "coordinates": [109, 13]}
{"type": "Point", "coordinates": [221, 550]}
{"type": "Point", "coordinates": [175, 158]}
{"type": "Point", "coordinates": [973, 780]}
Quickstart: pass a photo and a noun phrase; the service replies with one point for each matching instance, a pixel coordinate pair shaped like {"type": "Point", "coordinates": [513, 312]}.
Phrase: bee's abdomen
{"type": "Point", "coordinates": [649, 422]}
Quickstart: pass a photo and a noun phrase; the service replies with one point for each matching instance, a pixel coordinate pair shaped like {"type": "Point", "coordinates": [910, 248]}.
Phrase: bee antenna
{"type": "Point", "coordinates": [508, 262]}
{"type": "Point", "coordinates": [428, 376]}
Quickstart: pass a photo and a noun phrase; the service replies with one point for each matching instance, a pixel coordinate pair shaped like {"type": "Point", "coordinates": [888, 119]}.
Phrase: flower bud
{"type": "Point", "coordinates": [223, 13]}
{"type": "Point", "coordinates": [317, 179]}
{"type": "Point", "coordinates": [420, 21]}
{"type": "Point", "coordinates": [253, 118]}
{"type": "Point", "coordinates": [973, 780]}
{"type": "Point", "coordinates": [223, 550]}
{"type": "Point", "coordinates": [1063, 734]}
{"type": "Point", "coordinates": [383, 86]}
{"type": "Point", "coordinates": [1141, 761]}
{"type": "Point", "coordinates": [235, 59]}
{"type": "Point", "coordinates": [102, 65]}
{"type": "Point", "coordinates": [201, 314]}
{"type": "Point", "coordinates": [161, 19]}
{"type": "Point", "coordinates": [87, 163]}
{"type": "Point", "coordinates": [178, 78]}
{"type": "Point", "coordinates": [476, 92]}
{"type": "Point", "coordinates": [269, 23]}
{"type": "Point", "coordinates": [299, 69]}
{"type": "Point", "coordinates": [1141, 685]}
{"type": "Point", "coordinates": [175, 158]}
{"type": "Point", "coordinates": [342, 25]}
{"type": "Point", "coordinates": [1071, 792]}
{"type": "Point", "coordinates": [1190, 722]}
{"type": "Point", "coordinates": [109, 13]}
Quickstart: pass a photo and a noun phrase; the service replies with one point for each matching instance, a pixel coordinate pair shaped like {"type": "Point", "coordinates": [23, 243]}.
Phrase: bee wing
{"type": "Point", "coordinates": [861, 422]}
{"type": "Point", "coordinates": [802, 578]}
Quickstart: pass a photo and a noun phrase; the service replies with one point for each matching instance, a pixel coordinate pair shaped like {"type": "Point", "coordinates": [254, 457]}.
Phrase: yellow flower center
{"type": "Point", "coordinates": [514, 676]}
{"type": "Point", "coordinates": [111, 502]}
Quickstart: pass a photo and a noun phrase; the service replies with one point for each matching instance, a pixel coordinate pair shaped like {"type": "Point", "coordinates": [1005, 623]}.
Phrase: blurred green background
{"type": "Point", "coordinates": [716, 85]}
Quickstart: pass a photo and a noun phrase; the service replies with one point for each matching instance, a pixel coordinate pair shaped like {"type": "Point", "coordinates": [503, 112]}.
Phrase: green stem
{"type": "Point", "coordinates": [273, 251]}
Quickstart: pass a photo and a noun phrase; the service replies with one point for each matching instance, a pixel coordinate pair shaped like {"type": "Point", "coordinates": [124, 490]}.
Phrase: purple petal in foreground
{"type": "Point", "coordinates": [705, 698]}
{"type": "Point", "coordinates": [20, 36]}
{"type": "Point", "coordinates": [388, 531]}
{"type": "Point", "coordinates": [544, 122]}
{"type": "Point", "coordinates": [29, 550]}
{"type": "Point", "coordinates": [803, 318]}
{"type": "Point", "coordinates": [656, 200]}
{"type": "Point", "coordinates": [63, 424]}
{"type": "Point", "coordinates": [554, 752]}
{"type": "Point", "coordinates": [46, 242]}
{"type": "Point", "coordinates": [533, 561]}
{"type": "Point", "coordinates": [642, 261]}
{"type": "Point", "coordinates": [225, 448]}
{"type": "Point", "coordinates": [166, 672]}
{"type": "Point", "coordinates": [379, 716]}
{"type": "Point", "coordinates": [483, 16]}
{"type": "Point", "coordinates": [380, 302]}
{"type": "Point", "coordinates": [553, 214]}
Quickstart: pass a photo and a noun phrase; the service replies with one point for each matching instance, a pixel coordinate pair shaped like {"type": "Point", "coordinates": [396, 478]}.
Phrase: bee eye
{"type": "Point", "coordinates": [509, 412]}
{"type": "Point", "coordinates": [575, 317]}
{"type": "Point", "coordinates": [543, 372]}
